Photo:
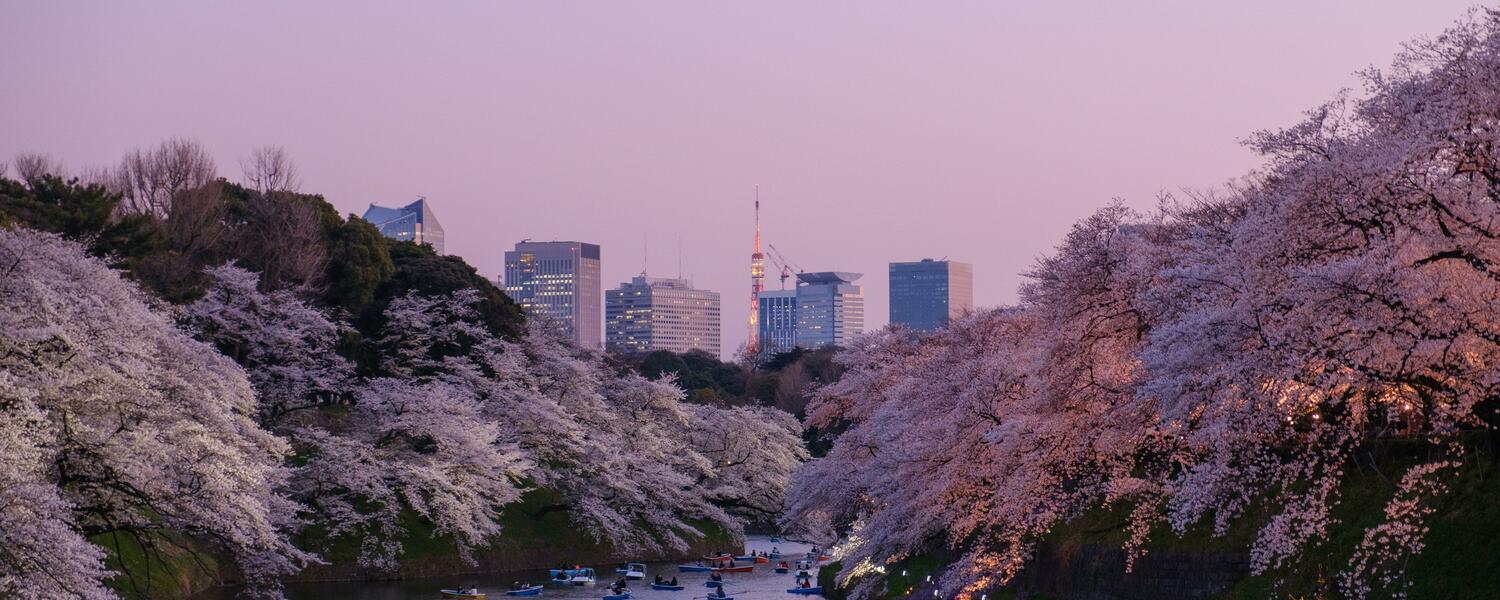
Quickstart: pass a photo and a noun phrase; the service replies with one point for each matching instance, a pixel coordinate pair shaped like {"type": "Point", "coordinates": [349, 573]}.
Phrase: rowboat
{"type": "Point", "coordinates": [817, 589]}
{"type": "Point", "coordinates": [633, 570]}
{"type": "Point", "coordinates": [464, 594]}
{"type": "Point", "coordinates": [694, 568]}
{"type": "Point", "coordinates": [578, 576]}
{"type": "Point", "coordinates": [744, 569]}
{"type": "Point", "coordinates": [533, 590]}
{"type": "Point", "coordinates": [713, 584]}
{"type": "Point", "coordinates": [782, 570]}
{"type": "Point", "coordinates": [746, 558]}
{"type": "Point", "coordinates": [666, 587]}
{"type": "Point", "coordinates": [619, 596]}
{"type": "Point", "coordinates": [775, 539]}
{"type": "Point", "coordinates": [760, 560]}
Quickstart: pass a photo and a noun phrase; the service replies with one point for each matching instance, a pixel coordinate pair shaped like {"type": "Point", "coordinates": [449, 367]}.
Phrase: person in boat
{"type": "Point", "coordinates": [674, 580]}
{"type": "Point", "coordinates": [716, 577]}
{"type": "Point", "coordinates": [806, 583]}
{"type": "Point", "coordinates": [721, 592]}
{"type": "Point", "coordinates": [658, 580]}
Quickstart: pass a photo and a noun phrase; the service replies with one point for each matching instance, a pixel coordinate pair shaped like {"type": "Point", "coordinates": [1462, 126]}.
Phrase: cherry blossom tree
{"type": "Point", "coordinates": [1242, 345]}
{"type": "Point", "coordinates": [113, 421]}
{"type": "Point", "coordinates": [753, 452]}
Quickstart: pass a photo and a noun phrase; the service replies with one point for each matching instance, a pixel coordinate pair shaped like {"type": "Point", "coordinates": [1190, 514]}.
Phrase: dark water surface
{"type": "Point", "coordinates": [763, 584]}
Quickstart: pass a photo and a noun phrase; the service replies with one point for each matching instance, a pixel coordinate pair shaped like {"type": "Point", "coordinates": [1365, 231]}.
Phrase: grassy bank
{"type": "Point", "coordinates": [1461, 558]}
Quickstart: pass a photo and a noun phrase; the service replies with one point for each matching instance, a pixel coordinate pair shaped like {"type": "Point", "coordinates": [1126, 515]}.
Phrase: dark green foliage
{"type": "Point", "coordinates": [819, 363]}
{"type": "Point", "coordinates": [782, 382]}
{"type": "Point", "coordinates": [706, 379]}
{"type": "Point", "coordinates": [420, 270]}
{"type": "Point", "coordinates": [80, 212]}
{"type": "Point", "coordinates": [358, 263]}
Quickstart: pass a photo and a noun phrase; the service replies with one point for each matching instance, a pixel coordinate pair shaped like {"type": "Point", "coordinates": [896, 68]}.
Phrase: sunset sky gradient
{"type": "Point", "coordinates": [877, 132]}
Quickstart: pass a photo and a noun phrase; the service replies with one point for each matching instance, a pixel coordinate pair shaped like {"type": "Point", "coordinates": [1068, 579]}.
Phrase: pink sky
{"type": "Point", "coordinates": [877, 132]}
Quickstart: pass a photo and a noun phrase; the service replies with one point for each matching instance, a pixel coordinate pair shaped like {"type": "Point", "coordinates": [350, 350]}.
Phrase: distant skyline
{"type": "Point", "coordinates": [974, 131]}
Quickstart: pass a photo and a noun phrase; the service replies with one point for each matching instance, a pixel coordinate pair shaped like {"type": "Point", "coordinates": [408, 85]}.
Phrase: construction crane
{"type": "Point", "coordinates": [781, 263]}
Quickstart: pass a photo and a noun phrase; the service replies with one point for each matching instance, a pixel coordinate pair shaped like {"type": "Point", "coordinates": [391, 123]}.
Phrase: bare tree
{"type": "Point", "coordinates": [196, 224]}
{"type": "Point", "coordinates": [32, 166]}
{"type": "Point", "coordinates": [270, 169]}
{"type": "Point", "coordinates": [148, 180]}
{"type": "Point", "coordinates": [96, 175]}
{"type": "Point", "coordinates": [283, 239]}
{"type": "Point", "coordinates": [791, 387]}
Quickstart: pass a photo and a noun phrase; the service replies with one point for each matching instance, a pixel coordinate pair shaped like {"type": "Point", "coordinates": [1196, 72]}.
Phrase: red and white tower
{"type": "Point", "coordinates": [757, 283]}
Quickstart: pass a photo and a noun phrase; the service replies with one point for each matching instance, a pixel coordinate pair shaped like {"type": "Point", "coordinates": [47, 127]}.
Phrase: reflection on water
{"type": "Point", "coordinates": [763, 584]}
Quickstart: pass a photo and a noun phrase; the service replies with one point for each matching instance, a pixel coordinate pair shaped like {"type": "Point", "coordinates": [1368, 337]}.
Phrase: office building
{"type": "Point", "coordinates": [651, 313]}
{"type": "Point", "coordinates": [559, 284]}
{"type": "Point", "coordinates": [411, 223]}
{"type": "Point", "coordinates": [778, 321]}
{"type": "Point", "coordinates": [830, 309]}
{"type": "Point", "coordinates": [927, 294]}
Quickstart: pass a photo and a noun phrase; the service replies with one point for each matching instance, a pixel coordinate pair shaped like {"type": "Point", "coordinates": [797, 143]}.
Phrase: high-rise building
{"type": "Point", "coordinates": [830, 309]}
{"type": "Point", "coordinates": [558, 283]}
{"type": "Point", "coordinates": [411, 223]}
{"type": "Point", "coordinates": [778, 321]}
{"type": "Point", "coordinates": [651, 313]}
{"type": "Point", "coordinates": [927, 294]}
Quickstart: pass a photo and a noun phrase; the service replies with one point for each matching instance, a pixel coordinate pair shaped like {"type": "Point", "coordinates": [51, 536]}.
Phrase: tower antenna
{"type": "Point", "coordinates": [757, 283]}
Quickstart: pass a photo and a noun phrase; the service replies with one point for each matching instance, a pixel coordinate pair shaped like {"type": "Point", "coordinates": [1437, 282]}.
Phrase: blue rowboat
{"type": "Point", "coordinates": [665, 587]}
{"type": "Point", "coordinates": [694, 568]}
{"type": "Point", "coordinates": [620, 596]}
{"type": "Point", "coordinates": [534, 590]}
{"type": "Point", "coordinates": [775, 539]}
{"type": "Point", "coordinates": [713, 584]}
{"type": "Point", "coordinates": [807, 590]}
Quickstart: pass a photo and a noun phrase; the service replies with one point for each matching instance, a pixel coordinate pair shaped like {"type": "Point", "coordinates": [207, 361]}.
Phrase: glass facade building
{"type": "Point", "coordinates": [411, 223]}
{"type": "Point", "coordinates": [650, 313]}
{"type": "Point", "coordinates": [927, 294]}
{"type": "Point", "coordinates": [559, 284]}
{"type": "Point", "coordinates": [778, 321]}
{"type": "Point", "coordinates": [830, 309]}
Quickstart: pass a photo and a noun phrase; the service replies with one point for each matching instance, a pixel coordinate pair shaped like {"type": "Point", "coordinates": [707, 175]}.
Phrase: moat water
{"type": "Point", "coordinates": [763, 584]}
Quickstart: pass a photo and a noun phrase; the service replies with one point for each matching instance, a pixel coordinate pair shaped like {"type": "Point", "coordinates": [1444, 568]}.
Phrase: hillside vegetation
{"type": "Point", "coordinates": [203, 379]}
